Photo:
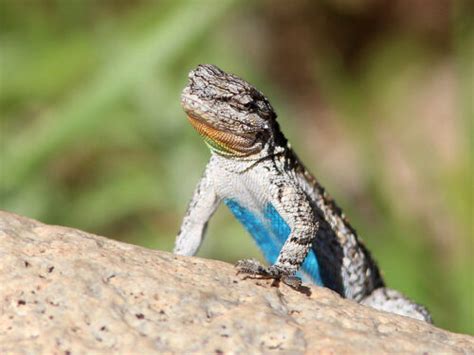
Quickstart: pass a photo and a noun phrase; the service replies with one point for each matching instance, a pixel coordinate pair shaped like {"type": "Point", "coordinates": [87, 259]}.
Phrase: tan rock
{"type": "Point", "coordinates": [64, 291]}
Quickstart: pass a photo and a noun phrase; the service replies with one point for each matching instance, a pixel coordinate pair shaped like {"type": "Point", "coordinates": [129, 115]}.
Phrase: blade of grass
{"type": "Point", "coordinates": [159, 48]}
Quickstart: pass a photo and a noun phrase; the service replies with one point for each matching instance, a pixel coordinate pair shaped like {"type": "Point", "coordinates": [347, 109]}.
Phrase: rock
{"type": "Point", "coordinates": [66, 291]}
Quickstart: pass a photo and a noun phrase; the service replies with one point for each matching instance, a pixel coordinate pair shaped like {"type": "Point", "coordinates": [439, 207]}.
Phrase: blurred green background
{"type": "Point", "coordinates": [375, 96]}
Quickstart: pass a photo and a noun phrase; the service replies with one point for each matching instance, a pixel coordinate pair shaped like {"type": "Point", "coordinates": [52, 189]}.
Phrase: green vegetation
{"type": "Point", "coordinates": [92, 134]}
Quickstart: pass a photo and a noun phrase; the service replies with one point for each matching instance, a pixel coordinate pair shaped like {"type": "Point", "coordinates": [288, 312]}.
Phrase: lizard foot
{"type": "Point", "coordinates": [254, 269]}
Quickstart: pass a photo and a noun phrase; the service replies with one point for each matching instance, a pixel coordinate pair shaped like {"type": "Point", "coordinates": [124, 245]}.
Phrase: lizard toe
{"type": "Point", "coordinates": [251, 267]}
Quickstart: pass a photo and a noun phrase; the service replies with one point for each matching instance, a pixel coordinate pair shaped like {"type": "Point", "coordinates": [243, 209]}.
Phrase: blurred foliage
{"type": "Point", "coordinates": [375, 96]}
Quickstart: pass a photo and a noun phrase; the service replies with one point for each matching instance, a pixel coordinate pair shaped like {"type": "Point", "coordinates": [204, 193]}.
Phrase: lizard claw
{"type": "Point", "coordinates": [254, 269]}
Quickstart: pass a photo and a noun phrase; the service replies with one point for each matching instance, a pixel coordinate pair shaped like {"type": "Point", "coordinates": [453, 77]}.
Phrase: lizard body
{"type": "Point", "coordinates": [295, 223]}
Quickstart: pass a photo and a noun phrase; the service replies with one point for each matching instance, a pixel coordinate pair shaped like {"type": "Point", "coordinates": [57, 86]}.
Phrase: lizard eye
{"type": "Point", "coordinates": [251, 106]}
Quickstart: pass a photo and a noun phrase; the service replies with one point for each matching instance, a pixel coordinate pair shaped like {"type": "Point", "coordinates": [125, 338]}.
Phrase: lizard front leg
{"type": "Point", "coordinates": [293, 205]}
{"type": "Point", "coordinates": [200, 209]}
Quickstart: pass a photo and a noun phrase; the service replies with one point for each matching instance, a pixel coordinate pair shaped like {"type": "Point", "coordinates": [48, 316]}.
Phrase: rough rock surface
{"type": "Point", "coordinates": [63, 291]}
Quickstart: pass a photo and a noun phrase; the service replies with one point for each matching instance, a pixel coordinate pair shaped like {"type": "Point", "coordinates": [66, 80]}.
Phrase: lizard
{"type": "Point", "coordinates": [301, 231]}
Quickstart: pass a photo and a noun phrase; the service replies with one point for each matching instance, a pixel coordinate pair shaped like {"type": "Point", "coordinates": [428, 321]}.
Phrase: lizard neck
{"type": "Point", "coordinates": [240, 164]}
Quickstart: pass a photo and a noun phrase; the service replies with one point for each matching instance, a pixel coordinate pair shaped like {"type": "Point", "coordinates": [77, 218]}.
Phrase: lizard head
{"type": "Point", "coordinates": [234, 118]}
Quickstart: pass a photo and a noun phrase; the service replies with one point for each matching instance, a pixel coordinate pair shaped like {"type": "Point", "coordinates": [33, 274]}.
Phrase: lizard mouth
{"type": "Point", "coordinates": [223, 142]}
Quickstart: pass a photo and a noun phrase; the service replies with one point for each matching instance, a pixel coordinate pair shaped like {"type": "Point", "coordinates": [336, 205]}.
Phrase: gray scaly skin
{"type": "Point", "coordinates": [254, 171]}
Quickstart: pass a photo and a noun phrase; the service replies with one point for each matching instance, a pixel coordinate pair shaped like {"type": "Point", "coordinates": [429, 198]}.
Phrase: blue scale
{"type": "Point", "coordinates": [270, 233]}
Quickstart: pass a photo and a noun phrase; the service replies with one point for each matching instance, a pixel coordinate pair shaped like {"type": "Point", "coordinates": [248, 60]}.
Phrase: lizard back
{"type": "Point", "coordinates": [357, 273]}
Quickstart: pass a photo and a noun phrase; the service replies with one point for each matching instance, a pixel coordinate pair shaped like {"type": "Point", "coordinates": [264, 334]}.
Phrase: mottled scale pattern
{"type": "Point", "coordinates": [298, 227]}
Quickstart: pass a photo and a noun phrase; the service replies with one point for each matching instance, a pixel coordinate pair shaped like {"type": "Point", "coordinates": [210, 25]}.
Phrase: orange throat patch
{"type": "Point", "coordinates": [220, 141]}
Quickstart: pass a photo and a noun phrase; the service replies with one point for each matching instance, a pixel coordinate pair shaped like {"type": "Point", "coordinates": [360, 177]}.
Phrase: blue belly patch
{"type": "Point", "coordinates": [270, 233]}
{"type": "Point", "coordinates": [257, 229]}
